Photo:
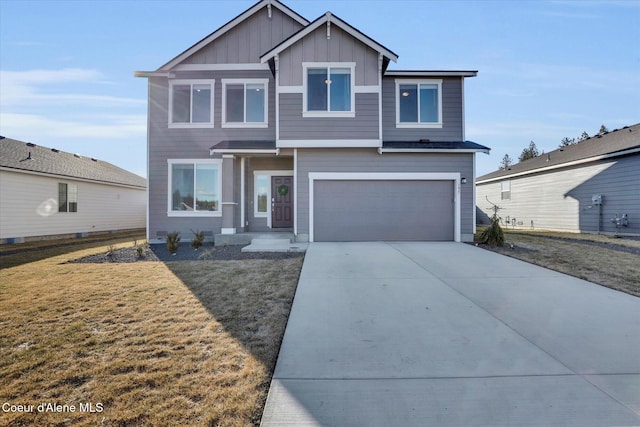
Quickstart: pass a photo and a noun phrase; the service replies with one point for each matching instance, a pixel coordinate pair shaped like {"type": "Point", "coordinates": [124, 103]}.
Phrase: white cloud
{"type": "Point", "coordinates": [41, 88]}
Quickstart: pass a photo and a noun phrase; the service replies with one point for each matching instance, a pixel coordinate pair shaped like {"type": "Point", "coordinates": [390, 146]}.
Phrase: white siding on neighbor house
{"type": "Point", "coordinates": [561, 199]}
{"type": "Point", "coordinates": [101, 207]}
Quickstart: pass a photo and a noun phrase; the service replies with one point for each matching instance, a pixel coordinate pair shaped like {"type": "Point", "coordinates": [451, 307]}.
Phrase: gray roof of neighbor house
{"type": "Point", "coordinates": [29, 157]}
{"type": "Point", "coordinates": [610, 144]}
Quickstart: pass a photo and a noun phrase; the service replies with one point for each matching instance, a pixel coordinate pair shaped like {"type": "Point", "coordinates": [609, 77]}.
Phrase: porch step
{"type": "Point", "coordinates": [272, 245]}
{"type": "Point", "coordinates": [246, 238]}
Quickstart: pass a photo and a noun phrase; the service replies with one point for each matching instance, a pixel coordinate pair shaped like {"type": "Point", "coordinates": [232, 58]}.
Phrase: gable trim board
{"type": "Point", "coordinates": [328, 19]}
{"type": "Point", "coordinates": [454, 177]}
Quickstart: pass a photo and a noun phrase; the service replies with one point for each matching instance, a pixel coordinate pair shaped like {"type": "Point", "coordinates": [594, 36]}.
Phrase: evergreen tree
{"type": "Point", "coordinates": [567, 142]}
{"type": "Point", "coordinates": [584, 136]}
{"type": "Point", "coordinates": [506, 162]}
{"type": "Point", "coordinates": [529, 152]}
{"type": "Point", "coordinates": [603, 129]}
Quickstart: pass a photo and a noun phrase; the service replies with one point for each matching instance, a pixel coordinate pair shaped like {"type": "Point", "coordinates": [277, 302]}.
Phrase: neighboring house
{"type": "Point", "coordinates": [276, 123]}
{"type": "Point", "coordinates": [46, 193]}
{"type": "Point", "coordinates": [580, 188]}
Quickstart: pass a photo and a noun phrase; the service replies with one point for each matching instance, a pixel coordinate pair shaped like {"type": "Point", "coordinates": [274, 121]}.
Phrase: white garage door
{"type": "Point", "coordinates": [375, 210]}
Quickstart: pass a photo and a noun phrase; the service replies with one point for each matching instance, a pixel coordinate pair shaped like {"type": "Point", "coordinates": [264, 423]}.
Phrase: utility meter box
{"type": "Point", "coordinates": [596, 199]}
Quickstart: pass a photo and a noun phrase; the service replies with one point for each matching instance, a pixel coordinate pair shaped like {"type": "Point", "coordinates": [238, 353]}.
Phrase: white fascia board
{"type": "Point", "coordinates": [329, 143]}
{"type": "Point", "coordinates": [561, 165]}
{"type": "Point", "coordinates": [147, 74]}
{"type": "Point", "coordinates": [432, 150]}
{"type": "Point", "coordinates": [434, 73]}
{"type": "Point", "coordinates": [329, 18]}
{"type": "Point", "coordinates": [222, 30]}
{"type": "Point", "coordinates": [251, 66]}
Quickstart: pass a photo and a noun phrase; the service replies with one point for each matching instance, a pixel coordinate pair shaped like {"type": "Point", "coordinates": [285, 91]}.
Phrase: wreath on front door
{"type": "Point", "coordinates": [283, 190]}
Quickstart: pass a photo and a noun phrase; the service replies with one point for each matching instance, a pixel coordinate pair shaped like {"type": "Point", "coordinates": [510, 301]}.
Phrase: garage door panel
{"type": "Point", "coordinates": [359, 210]}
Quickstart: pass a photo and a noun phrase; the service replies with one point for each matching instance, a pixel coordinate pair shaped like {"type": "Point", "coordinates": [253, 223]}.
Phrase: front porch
{"type": "Point", "coordinates": [257, 192]}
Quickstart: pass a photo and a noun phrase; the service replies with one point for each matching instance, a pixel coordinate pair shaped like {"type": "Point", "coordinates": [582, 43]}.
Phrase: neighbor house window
{"type": "Point", "coordinates": [244, 103]}
{"type": "Point", "coordinates": [328, 89]}
{"type": "Point", "coordinates": [419, 103]}
{"type": "Point", "coordinates": [195, 187]}
{"type": "Point", "coordinates": [67, 197]}
{"type": "Point", "coordinates": [191, 103]}
{"type": "Point", "coordinates": [505, 190]}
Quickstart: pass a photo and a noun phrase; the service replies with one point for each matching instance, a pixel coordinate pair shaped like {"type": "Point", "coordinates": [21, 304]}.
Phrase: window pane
{"type": "Point", "coordinates": [340, 89]}
{"type": "Point", "coordinates": [201, 103]}
{"type": "Point", "coordinates": [181, 112]}
{"type": "Point", "coordinates": [428, 103]}
{"type": "Point", "coordinates": [408, 100]}
{"type": "Point", "coordinates": [317, 89]}
{"type": "Point", "coordinates": [72, 196]}
{"type": "Point", "coordinates": [235, 104]}
{"type": "Point", "coordinates": [182, 187]}
{"type": "Point", "coordinates": [206, 187]}
{"type": "Point", "coordinates": [62, 197]}
{"type": "Point", "coordinates": [262, 187]}
{"type": "Point", "coordinates": [255, 103]}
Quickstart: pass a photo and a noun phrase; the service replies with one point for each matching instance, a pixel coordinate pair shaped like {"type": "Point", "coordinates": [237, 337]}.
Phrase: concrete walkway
{"type": "Point", "coordinates": [447, 334]}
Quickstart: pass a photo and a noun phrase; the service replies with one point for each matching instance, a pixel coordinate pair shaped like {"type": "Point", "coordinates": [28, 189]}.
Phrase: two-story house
{"type": "Point", "coordinates": [273, 123]}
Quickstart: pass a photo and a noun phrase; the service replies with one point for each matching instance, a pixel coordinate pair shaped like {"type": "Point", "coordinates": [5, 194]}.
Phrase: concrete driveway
{"type": "Point", "coordinates": [447, 334]}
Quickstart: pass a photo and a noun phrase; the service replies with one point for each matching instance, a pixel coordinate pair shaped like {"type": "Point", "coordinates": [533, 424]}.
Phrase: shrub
{"type": "Point", "coordinates": [141, 249]}
{"type": "Point", "coordinates": [198, 239]}
{"type": "Point", "coordinates": [493, 235]}
{"type": "Point", "coordinates": [173, 239]}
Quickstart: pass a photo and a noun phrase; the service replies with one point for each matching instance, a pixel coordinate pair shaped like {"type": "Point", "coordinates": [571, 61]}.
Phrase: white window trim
{"type": "Point", "coordinates": [351, 66]}
{"type": "Point", "coordinates": [269, 174]}
{"type": "Point", "coordinates": [400, 124]}
{"type": "Point", "coordinates": [245, 124]}
{"type": "Point", "coordinates": [191, 82]}
{"type": "Point", "coordinates": [455, 177]}
{"type": "Point", "coordinates": [173, 213]}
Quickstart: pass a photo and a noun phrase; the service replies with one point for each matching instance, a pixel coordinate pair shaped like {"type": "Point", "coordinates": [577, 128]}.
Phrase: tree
{"type": "Point", "coordinates": [603, 129]}
{"type": "Point", "coordinates": [506, 162]}
{"type": "Point", "coordinates": [529, 153]}
{"type": "Point", "coordinates": [566, 142]}
{"type": "Point", "coordinates": [584, 136]}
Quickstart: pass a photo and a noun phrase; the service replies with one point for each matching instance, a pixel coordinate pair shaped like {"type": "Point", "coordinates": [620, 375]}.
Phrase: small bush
{"type": "Point", "coordinates": [141, 249]}
{"type": "Point", "coordinates": [198, 239]}
{"type": "Point", "coordinates": [173, 240]}
{"type": "Point", "coordinates": [493, 235]}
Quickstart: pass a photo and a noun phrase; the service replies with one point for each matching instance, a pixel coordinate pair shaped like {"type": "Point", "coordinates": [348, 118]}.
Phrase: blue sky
{"type": "Point", "coordinates": [547, 69]}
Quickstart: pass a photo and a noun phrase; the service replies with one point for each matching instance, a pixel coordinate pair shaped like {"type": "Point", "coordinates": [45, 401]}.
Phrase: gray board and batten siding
{"type": "Point", "coordinates": [341, 47]}
{"type": "Point", "coordinates": [368, 161]}
{"type": "Point", "coordinates": [244, 43]}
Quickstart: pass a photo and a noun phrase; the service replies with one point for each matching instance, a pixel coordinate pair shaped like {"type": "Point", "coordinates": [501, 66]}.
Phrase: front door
{"type": "Point", "coordinates": [281, 201]}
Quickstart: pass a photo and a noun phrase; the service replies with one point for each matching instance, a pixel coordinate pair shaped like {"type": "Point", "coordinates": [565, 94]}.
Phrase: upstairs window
{"type": "Point", "coordinates": [505, 190]}
{"type": "Point", "coordinates": [419, 103]}
{"type": "Point", "coordinates": [67, 197]}
{"type": "Point", "coordinates": [244, 103]}
{"type": "Point", "coordinates": [328, 90]}
{"type": "Point", "coordinates": [191, 103]}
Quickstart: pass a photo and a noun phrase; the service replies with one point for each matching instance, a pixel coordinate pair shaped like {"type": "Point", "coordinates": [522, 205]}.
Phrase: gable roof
{"type": "Point", "coordinates": [229, 25]}
{"type": "Point", "coordinates": [329, 19]}
{"type": "Point", "coordinates": [20, 156]}
{"type": "Point", "coordinates": [611, 144]}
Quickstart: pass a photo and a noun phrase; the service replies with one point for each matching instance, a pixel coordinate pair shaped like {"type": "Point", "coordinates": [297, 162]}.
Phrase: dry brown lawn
{"type": "Point", "coordinates": [181, 343]}
{"type": "Point", "coordinates": [573, 254]}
